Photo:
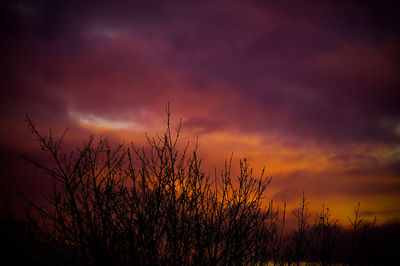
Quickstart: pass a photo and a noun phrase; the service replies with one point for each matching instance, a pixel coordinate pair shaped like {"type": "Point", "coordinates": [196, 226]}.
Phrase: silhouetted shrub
{"type": "Point", "coordinates": [152, 205]}
{"type": "Point", "coordinates": [155, 205]}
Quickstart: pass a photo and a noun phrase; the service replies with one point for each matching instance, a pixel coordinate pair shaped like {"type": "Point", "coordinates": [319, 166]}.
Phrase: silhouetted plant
{"type": "Point", "coordinates": [79, 217]}
{"type": "Point", "coordinates": [359, 243]}
{"type": "Point", "coordinates": [155, 205]}
{"type": "Point", "coordinates": [152, 205]}
{"type": "Point", "coordinates": [326, 238]}
{"type": "Point", "coordinates": [300, 245]}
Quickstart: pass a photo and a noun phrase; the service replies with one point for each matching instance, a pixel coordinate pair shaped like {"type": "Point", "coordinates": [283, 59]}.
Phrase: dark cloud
{"type": "Point", "coordinates": [300, 69]}
{"type": "Point", "coordinates": [310, 72]}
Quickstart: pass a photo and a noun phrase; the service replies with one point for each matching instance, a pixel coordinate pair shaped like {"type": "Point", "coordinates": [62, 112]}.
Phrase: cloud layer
{"type": "Point", "coordinates": [310, 89]}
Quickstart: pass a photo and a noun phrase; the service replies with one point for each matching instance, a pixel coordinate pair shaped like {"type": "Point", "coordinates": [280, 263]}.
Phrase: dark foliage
{"type": "Point", "coordinates": [155, 205]}
{"type": "Point", "coordinates": [151, 205]}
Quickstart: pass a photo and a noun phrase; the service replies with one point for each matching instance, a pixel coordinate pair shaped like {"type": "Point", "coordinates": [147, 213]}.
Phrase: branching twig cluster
{"type": "Point", "coordinates": [153, 205]}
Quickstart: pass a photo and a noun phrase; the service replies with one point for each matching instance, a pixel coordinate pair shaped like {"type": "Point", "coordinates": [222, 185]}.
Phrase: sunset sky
{"type": "Point", "coordinates": [311, 91]}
